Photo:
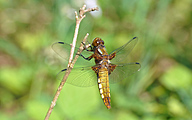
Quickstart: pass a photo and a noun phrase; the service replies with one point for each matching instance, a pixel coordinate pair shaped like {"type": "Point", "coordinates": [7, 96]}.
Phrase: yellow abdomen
{"type": "Point", "coordinates": [103, 83]}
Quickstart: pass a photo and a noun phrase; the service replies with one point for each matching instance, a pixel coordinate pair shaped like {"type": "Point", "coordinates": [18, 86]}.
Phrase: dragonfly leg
{"type": "Point", "coordinates": [87, 46]}
{"type": "Point", "coordinates": [89, 58]}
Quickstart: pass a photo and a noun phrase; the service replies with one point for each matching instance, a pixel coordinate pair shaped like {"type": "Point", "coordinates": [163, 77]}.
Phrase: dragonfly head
{"type": "Point", "coordinates": [97, 41]}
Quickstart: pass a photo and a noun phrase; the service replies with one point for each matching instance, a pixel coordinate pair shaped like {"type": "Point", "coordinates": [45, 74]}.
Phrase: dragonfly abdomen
{"type": "Point", "coordinates": [103, 83]}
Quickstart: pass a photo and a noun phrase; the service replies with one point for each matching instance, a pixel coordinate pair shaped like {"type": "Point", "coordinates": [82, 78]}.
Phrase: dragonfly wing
{"type": "Point", "coordinates": [64, 49]}
{"type": "Point", "coordinates": [123, 51]}
{"type": "Point", "coordinates": [81, 76]}
{"type": "Point", "coordinates": [123, 71]}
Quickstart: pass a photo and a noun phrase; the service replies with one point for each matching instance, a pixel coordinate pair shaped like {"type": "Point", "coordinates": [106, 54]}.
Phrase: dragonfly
{"type": "Point", "coordinates": [106, 68]}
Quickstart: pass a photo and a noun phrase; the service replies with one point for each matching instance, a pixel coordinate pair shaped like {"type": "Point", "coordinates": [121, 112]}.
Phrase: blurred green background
{"type": "Point", "coordinates": [28, 66]}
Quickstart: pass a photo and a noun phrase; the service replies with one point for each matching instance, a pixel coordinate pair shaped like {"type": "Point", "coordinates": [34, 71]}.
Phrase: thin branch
{"type": "Point", "coordinates": [53, 103]}
{"type": "Point", "coordinates": [71, 63]}
{"type": "Point", "coordinates": [82, 11]}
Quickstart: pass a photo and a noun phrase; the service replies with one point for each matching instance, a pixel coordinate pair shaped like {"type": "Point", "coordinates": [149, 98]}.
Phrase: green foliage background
{"type": "Point", "coordinates": [28, 66]}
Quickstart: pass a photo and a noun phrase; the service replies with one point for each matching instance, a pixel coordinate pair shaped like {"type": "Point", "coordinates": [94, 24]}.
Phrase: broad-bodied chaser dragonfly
{"type": "Point", "coordinates": [109, 68]}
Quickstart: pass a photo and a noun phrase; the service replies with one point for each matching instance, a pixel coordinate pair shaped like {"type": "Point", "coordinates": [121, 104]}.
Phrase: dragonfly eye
{"type": "Point", "coordinates": [97, 41]}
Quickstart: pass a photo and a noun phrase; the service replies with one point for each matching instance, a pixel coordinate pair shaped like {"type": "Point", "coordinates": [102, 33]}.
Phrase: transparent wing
{"type": "Point", "coordinates": [123, 71]}
{"type": "Point", "coordinates": [64, 49]}
{"type": "Point", "coordinates": [81, 76]}
{"type": "Point", "coordinates": [123, 51]}
{"type": "Point", "coordinates": [86, 77]}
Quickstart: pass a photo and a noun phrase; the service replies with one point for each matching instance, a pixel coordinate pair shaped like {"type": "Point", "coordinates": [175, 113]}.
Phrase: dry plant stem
{"type": "Point", "coordinates": [71, 63]}
{"type": "Point", "coordinates": [81, 48]}
{"type": "Point", "coordinates": [79, 18]}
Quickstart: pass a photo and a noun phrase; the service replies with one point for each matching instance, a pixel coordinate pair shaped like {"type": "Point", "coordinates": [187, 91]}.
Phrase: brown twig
{"type": "Point", "coordinates": [72, 61]}
{"type": "Point", "coordinates": [82, 11]}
